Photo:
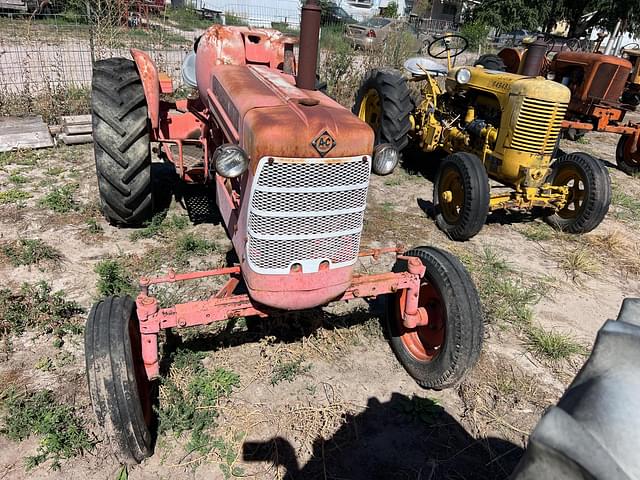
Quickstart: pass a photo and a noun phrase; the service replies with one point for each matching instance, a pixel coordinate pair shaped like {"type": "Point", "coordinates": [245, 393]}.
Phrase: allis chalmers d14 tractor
{"type": "Point", "coordinates": [602, 91]}
{"type": "Point", "coordinates": [493, 125]}
{"type": "Point", "coordinates": [290, 168]}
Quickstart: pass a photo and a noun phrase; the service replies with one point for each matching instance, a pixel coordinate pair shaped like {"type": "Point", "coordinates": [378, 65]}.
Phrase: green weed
{"type": "Point", "coordinates": [13, 195]}
{"type": "Point", "coordinates": [423, 409]}
{"type": "Point", "coordinates": [18, 179]}
{"type": "Point", "coordinates": [54, 171]}
{"type": "Point", "coordinates": [37, 306]}
{"type": "Point", "coordinates": [192, 244]}
{"type": "Point", "coordinates": [60, 199]}
{"type": "Point", "coordinates": [60, 429]}
{"type": "Point", "coordinates": [553, 345]}
{"type": "Point", "coordinates": [93, 227]}
{"type": "Point", "coordinates": [19, 157]}
{"type": "Point", "coordinates": [189, 399]}
{"type": "Point", "coordinates": [288, 371]}
{"type": "Point", "coordinates": [628, 207]}
{"type": "Point", "coordinates": [536, 231]}
{"type": "Point", "coordinates": [30, 252]}
{"type": "Point", "coordinates": [161, 225]}
{"type": "Point", "coordinates": [114, 279]}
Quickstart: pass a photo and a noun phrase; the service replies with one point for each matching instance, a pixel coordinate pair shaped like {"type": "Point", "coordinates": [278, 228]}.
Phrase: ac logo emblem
{"type": "Point", "coordinates": [323, 143]}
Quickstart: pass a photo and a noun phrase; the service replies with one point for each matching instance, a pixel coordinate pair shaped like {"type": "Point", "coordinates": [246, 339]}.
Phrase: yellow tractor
{"type": "Point", "coordinates": [493, 125]}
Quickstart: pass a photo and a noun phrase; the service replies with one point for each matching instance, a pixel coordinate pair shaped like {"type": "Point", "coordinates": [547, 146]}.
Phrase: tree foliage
{"type": "Point", "coordinates": [580, 15]}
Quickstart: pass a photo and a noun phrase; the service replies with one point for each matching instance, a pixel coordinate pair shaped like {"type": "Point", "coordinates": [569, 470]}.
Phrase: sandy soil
{"type": "Point", "coordinates": [347, 415]}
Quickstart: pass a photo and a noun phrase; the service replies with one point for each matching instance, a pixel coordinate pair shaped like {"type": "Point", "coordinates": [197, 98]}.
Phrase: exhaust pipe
{"type": "Point", "coordinates": [308, 56]}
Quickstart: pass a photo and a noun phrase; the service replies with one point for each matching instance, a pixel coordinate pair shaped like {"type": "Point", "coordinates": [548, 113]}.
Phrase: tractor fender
{"type": "Point", "coordinates": [150, 84]}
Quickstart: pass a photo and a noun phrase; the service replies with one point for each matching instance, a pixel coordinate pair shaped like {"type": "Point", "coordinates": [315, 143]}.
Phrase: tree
{"type": "Point", "coordinates": [508, 15]}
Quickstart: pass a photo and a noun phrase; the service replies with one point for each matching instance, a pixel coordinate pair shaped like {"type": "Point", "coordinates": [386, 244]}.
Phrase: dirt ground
{"type": "Point", "coordinates": [351, 412]}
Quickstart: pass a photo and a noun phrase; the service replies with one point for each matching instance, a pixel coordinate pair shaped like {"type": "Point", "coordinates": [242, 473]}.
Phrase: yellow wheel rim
{"type": "Point", "coordinates": [371, 109]}
{"type": "Point", "coordinates": [572, 178]}
{"type": "Point", "coordinates": [451, 193]}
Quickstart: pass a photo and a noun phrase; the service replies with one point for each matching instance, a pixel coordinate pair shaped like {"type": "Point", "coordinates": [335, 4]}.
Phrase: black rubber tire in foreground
{"type": "Point", "coordinates": [463, 320]}
{"type": "Point", "coordinates": [121, 142]}
{"type": "Point", "coordinates": [475, 187]}
{"type": "Point", "coordinates": [120, 393]}
{"type": "Point", "coordinates": [629, 167]}
{"type": "Point", "coordinates": [597, 193]}
{"type": "Point", "coordinates": [491, 61]}
{"type": "Point", "coordinates": [396, 106]}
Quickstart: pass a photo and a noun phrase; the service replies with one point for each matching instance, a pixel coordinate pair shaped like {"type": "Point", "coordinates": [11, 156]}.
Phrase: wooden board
{"type": "Point", "coordinates": [26, 132]}
{"type": "Point", "coordinates": [78, 129]}
{"type": "Point", "coordinates": [76, 120]}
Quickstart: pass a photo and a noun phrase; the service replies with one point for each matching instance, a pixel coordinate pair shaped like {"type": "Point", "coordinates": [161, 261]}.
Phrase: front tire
{"type": "Point", "coordinates": [121, 142]}
{"type": "Point", "coordinates": [461, 196]}
{"type": "Point", "coordinates": [121, 394]}
{"type": "Point", "coordinates": [627, 162]}
{"type": "Point", "coordinates": [440, 354]}
{"type": "Point", "coordinates": [589, 193]}
{"type": "Point", "coordinates": [384, 102]}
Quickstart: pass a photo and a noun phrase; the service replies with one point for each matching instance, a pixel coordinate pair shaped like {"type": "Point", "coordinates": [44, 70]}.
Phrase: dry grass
{"type": "Point", "coordinates": [578, 261]}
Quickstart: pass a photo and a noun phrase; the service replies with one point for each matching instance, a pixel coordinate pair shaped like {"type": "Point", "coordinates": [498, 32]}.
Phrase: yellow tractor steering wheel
{"type": "Point", "coordinates": [448, 46]}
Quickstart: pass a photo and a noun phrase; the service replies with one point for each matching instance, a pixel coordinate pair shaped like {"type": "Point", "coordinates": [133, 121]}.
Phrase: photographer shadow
{"type": "Point", "coordinates": [404, 438]}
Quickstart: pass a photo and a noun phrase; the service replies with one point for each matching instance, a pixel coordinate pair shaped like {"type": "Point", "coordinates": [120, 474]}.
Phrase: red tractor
{"type": "Point", "coordinates": [597, 83]}
{"type": "Point", "coordinates": [290, 168]}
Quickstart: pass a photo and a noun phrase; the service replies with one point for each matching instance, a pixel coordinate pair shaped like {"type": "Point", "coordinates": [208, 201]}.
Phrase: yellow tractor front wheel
{"type": "Point", "coordinates": [461, 196]}
{"type": "Point", "coordinates": [589, 195]}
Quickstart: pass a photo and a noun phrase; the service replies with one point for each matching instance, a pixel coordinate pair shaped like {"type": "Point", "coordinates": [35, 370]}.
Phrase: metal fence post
{"type": "Point", "coordinates": [91, 46]}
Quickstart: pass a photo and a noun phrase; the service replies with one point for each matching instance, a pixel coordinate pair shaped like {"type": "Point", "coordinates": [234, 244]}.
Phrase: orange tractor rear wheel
{"type": "Point", "coordinates": [628, 162]}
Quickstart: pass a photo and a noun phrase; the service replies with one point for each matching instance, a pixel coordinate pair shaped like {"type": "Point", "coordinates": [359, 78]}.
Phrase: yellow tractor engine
{"type": "Point", "coordinates": [490, 125]}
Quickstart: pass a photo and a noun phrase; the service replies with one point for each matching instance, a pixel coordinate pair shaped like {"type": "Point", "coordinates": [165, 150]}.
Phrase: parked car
{"type": "Point", "coordinates": [373, 32]}
{"type": "Point", "coordinates": [335, 15]}
{"type": "Point", "coordinates": [514, 38]}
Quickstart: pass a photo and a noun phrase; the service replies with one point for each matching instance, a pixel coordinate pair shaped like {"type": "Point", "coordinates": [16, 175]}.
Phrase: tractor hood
{"type": "Point", "coordinates": [272, 117]}
{"type": "Point", "coordinates": [500, 83]}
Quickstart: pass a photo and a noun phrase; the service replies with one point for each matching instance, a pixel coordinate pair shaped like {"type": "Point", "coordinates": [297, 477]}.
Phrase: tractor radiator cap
{"type": "Point", "coordinates": [189, 70]}
{"type": "Point", "coordinates": [418, 66]}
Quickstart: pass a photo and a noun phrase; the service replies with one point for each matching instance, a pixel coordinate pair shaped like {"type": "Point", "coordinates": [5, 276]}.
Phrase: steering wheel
{"type": "Point", "coordinates": [573, 44]}
{"type": "Point", "coordinates": [631, 46]}
{"type": "Point", "coordinates": [447, 46]}
{"type": "Point", "coordinates": [550, 41]}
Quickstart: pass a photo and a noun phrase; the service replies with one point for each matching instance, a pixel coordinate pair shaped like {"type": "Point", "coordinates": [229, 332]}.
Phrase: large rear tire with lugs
{"type": "Point", "coordinates": [121, 394]}
{"type": "Point", "coordinates": [439, 354]}
{"type": "Point", "coordinates": [384, 102]}
{"type": "Point", "coordinates": [121, 142]}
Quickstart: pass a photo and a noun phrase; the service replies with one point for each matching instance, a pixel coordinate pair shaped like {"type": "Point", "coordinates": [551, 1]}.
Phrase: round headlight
{"type": "Point", "coordinates": [463, 76]}
{"type": "Point", "coordinates": [385, 159]}
{"type": "Point", "coordinates": [230, 160]}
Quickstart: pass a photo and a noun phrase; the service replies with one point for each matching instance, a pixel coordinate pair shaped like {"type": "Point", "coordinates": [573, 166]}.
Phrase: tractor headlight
{"type": "Point", "coordinates": [463, 76]}
{"type": "Point", "coordinates": [230, 160]}
{"type": "Point", "coordinates": [385, 159]}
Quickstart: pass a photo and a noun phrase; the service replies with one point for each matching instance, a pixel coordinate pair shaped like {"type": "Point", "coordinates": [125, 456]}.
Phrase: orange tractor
{"type": "Point", "coordinates": [290, 170]}
{"type": "Point", "coordinates": [597, 83]}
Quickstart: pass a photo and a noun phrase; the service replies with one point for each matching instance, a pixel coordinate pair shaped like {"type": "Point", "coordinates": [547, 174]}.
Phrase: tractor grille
{"type": "Point", "coordinates": [306, 211]}
{"type": "Point", "coordinates": [538, 126]}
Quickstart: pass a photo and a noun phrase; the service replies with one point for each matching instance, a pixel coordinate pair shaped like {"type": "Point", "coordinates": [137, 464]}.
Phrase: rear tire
{"type": "Point", "coordinates": [628, 163]}
{"type": "Point", "coordinates": [491, 61]}
{"type": "Point", "coordinates": [461, 176]}
{"type": "Point", "coordinates": [384, 102]}
{"type": "Point", "coordinates": [440, 354]}
{"type": "Point", "coordinates": [590, 192]}
{"type": "Point", "coordinates": [121, 394]}
{"type": "Point", "coordinates": [121, 142]}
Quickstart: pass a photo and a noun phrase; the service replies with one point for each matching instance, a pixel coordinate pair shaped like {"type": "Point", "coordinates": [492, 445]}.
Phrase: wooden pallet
{"type": "Point", "coordinates": [24, 132]}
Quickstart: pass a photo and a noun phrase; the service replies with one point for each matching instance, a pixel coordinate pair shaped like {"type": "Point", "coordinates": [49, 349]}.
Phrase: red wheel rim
{"type": "Point", "coordinates": [630, 159]}
{"type": "Point", "coordinates": [424, 343]}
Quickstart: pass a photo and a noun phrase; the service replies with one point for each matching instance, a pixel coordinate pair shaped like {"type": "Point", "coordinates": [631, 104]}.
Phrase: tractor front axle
{"type": "Point", "coordinates": [225, 305]}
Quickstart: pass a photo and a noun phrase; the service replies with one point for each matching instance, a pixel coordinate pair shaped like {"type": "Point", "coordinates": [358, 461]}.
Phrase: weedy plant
{"type": "Point", "coordinates": [114, 278]}
{"type": "Point", "coordinates": [288, 371]}
{"type": "Point", "coordinates": [13, 195]}
{"type": "Point", "coordinates": [37, 306]}
{"type": "Point", "coordinates": [60, 199]}
{"type": "Point", "coordinates": [30, 252]}
{"type": "Point", "coordinates": [189, 399]}
{"type": "Point", "coordinates": [161, 225]}
{"type": "Point", "coordinates": [61, 431]}
{"type": "Point", "coordinates": [553, 345]}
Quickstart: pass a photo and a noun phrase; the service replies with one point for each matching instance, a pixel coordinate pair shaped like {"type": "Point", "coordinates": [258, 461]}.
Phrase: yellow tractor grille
{"type": "Point", "coordinates": [538, 126]}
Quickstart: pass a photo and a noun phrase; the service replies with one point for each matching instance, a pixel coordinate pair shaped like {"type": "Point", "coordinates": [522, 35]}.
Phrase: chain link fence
{"type": "Point", "coordinates": [46, 61]}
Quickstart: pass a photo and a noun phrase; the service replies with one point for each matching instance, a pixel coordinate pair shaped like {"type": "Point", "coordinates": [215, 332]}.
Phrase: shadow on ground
{"type": "Point", "coordinates": [403, 438]}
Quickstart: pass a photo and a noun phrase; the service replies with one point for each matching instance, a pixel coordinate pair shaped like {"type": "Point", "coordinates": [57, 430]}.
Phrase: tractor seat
{"type": "Point", "coordinates": [418, 66]}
